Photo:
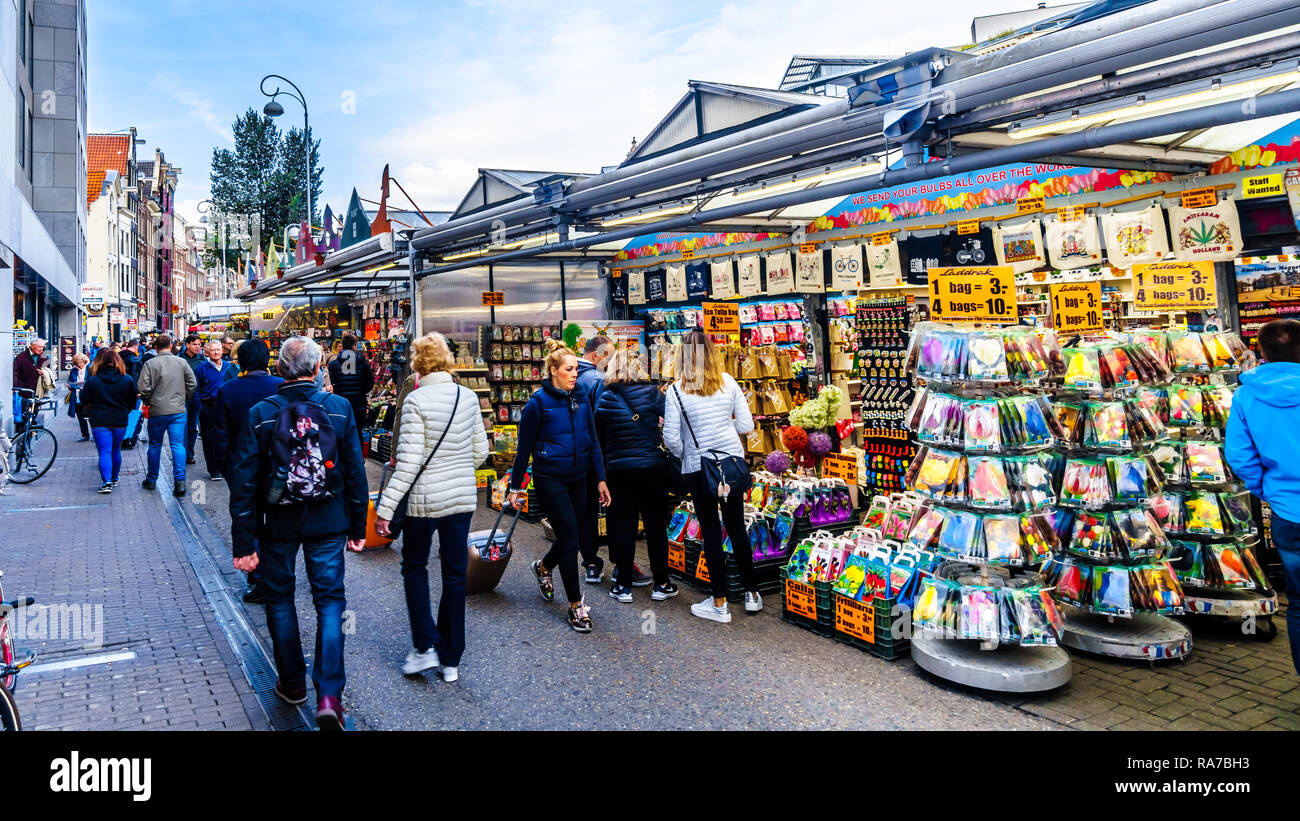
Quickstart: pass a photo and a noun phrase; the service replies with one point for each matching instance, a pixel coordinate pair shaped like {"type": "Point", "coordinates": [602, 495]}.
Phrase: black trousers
{"type": "Point", "coordinates": [707, 507]}
{"type": "Point", "coordinates": [212, 457]}
{"type": "Point", "coordinates": [642, 492]}
{"type": "Point", "coordinates": [566, 507]}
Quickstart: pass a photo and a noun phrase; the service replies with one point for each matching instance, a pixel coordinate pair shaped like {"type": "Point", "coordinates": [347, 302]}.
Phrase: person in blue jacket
{"type": "Point", "coordinates": [1263, 448]}
{"type": "Point", "coordinates": [234, 400]}
{"type": "Point", "coordinates": [558, 431]}
{"type": "Point", "coordinates": [212, 373]}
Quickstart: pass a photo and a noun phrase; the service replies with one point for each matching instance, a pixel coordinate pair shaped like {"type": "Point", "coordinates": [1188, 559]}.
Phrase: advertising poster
{"type": "Point", "coordinates": [1268, 288]}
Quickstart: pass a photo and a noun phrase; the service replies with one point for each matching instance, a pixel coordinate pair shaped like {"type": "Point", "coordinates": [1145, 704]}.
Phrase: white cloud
{"type": "Point", "coordinates": [201, 108]}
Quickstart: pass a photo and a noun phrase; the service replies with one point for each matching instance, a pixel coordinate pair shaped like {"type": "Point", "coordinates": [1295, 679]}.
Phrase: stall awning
{"type": "Point", "coordinates": [372, 265]}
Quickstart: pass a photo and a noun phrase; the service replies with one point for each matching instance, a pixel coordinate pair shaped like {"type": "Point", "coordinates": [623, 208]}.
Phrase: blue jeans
{"type": "Point", "coordinates": [324, 559]}
{"type": "Point", "coordinates": [447, 635]}
{"type": "Point", "coordinates": [1286, 538]}
{"type": "Point", "coordinates": [173, 424]}
{"type": "Point", "coordinates": [108, 441]}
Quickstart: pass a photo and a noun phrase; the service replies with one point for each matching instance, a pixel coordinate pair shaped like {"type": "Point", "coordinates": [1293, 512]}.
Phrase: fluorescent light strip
{"type": "Point", "coordinates": [667, 212]}
{"type": "Point", "coordinates": [1155, 106]}
{"type": "Point", "coordinates": [843, 173]}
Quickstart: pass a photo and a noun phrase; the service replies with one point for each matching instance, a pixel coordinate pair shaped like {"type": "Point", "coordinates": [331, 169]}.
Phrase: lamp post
{"type": "Point", "coordinates": [274, 109]}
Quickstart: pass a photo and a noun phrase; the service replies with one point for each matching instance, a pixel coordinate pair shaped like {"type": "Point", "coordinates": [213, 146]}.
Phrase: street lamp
{"type": "Point", "coordinates": [274, 109]}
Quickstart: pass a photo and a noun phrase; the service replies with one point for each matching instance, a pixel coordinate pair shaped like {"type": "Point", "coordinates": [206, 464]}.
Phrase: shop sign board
{"type": "Point", "coordinates": [1292, 185]}
{"type": "Point", "coordinates": [973, 294]}
{"type": "Point", "coordinates": [1076, 306]}
{"type": "Point", "coordinates": [881, 238]}
{"type": "Point", "coordinates": [1199, 198]}
{"type": "Point", "coordinates": [1175, 286]}
{"type": "Point", "coordinates": [1029, 205]}
{"type": "Point", "coordinates": [801, 599]}
{"type": "Point", "coordinates": [839, 466]}
{"type": "Point", "coordinates": [677, 557]}
{"type": "Point", "coordinates": [494, 298]}
{"type": "Point", "coordinates": [67, 350]}
{"type": "Point", "coordinates": [702, 569]}
{"type": "Point", "coordinates": [92, 296]}
{"type": "Point", "coordinates": [855, 618]}
{"type": "Point", "coordinates": [968, 227]}
{"type": "Point", "coordinates": [115, 316]}
{"type": "Point", "coordinates": [1261, 185]}
{"type": "Point", "coordinates": [721, 318]}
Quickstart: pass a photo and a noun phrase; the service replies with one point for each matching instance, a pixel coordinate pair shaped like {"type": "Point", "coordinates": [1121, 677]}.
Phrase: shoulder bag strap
{"type": "Point", "coordinates": [656, 439]}
{"type": "Point", "coordinates": [419, 472]}
{"type": "Point", "coordinates": [681, 407]}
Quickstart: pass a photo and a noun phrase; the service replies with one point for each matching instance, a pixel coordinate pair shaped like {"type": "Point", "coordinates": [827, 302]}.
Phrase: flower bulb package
{"type": "Point", "coordinates": [1082, 369]}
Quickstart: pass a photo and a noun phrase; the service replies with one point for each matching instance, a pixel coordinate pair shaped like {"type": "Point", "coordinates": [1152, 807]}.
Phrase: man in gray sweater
{"type": "Point", "coordinates": [167, 384]}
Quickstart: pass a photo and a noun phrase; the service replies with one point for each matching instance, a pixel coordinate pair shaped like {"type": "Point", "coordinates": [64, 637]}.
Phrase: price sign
{"type": "Point", "coordinates": [808, 248]}
{"type": "Point", "coordinates": [1262, 185]}
{"type": "Point", "coordinates": [494, 298]}
{"type": "Point", "coordinates": [855, 618]}
{"type": "Point", "coordinates": [1199, 198]}
{"type": "Point", "coordinates": [882, 238]}
{"type": "Point", "coordinates": [268, 314]}
{"type": "Point", "coordinates": [688, 255]}
{"type": "Point", "coordinates": [721, 318]}
{"type": "Point", "coordinates": [968, 227]}
{"type": "Point", "coordinates": [1028, 205]}
{"type": "Point", "coordinates": [1174, 286]}
{"type": "Point", "coordinates": [1070, 213]}
{"type": "Point", "coordinates": [617, 273]}
{"type": "Point", "coordinates": [839, 466]}
{"type": "Point", "coordinates": [801, 599]}
{"type": "Point", "coordinates": [677, 557]}
{"type": "Point", "coordinates": [1076, 306]}
{"type": "Point", "coordinates": [702, 568]}
{"type": "Point", "coordinates": [973, 294]}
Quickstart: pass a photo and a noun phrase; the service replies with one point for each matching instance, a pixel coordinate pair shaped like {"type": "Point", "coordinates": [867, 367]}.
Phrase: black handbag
{"type": "Point", "coordinates": [723, 473]}
{"type": "Point", "coordinates": [398, 521]}
{"type": "Point", "coordinates": [676, 484]}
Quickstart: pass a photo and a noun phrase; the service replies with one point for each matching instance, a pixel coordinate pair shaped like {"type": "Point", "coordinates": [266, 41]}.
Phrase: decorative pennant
{"type": "Point", "coordinates": [382, 225]}
{"type": "Point", "coordinates": [356, 228]}
{"type": "Point", "coordinates": [675, 283]}
{"type": "Point", "coordinates": [635, 287]}
{"type": "Point", "coordinates": [305, 251]}
{"type": "Point", "coordinates": [721, 279]}
{"type": "Point", "coordinates": [846, 267]}
{"type": "Point", "coordinates": [1211, 233]}
{"type": "Point", "coordinates": [750, 282]}
{"type": "Point", "coordinates": [329, 239]}
{"type": "Point", "coordinates": [780, 276]}
{"type": "Point", "coordinates": [1135, 237]}
{"type": "Point", "coordinates": [1020, 245]}
{"type": "Point", "coordinates": [809, 277]}
{"type": "Point", "coordinates": [697, 281]}
{"type": "Point", "coordinates": [273, 262]}
{"type": "Point", "coordinates": [884, 269]}
{"type": "Point", "coordinates": [1074, 243]}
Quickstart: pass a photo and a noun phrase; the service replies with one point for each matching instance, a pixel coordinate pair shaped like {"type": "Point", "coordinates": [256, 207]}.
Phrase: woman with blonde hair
{"type": "Point", "coordinates": [708, 404]}
{"type": "Point", "coordinates": [558, 431]}
{"type": "Point", "coordinates": [442, 443]}
{"type": "Point", "coordinates": [628, 413]}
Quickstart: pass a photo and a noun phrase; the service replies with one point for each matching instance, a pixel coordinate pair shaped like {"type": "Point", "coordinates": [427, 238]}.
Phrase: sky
{"type": "Point", "coordinates": [440, 89]}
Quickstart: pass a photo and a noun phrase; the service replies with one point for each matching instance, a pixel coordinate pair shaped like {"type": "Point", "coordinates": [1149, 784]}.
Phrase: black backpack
{"type": "Point", "coordinates": [304, 451]}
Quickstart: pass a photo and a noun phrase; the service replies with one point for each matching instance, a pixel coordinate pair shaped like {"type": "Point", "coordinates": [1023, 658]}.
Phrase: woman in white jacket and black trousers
{"type": "Point", "coordinates": [705, 410]}
{"type": "Point", "coordinates": [443, 499]}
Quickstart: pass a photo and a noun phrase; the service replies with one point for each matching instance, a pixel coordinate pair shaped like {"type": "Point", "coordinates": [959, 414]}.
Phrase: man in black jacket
{"type": "Point", "coordinates": [266, 536]}
{"type": "Point", "coordinates": [352, 378]}
{"type": "Point", "coordinates": [131, 360]}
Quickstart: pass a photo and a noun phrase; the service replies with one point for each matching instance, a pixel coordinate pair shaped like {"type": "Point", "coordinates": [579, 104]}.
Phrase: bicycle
{"type": "Point", "coordinates": [10, 664]}
{"type": "Point", "coordinates": [34, 448]}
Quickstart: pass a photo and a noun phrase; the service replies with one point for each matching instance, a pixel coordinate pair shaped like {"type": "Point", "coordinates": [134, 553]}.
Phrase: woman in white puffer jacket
{"type": "Point", "coordinates": [443, 498]}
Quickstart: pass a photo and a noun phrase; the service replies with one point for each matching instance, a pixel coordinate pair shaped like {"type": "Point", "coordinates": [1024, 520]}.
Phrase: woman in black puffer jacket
{"type": "Point", "coordinates": [627, 421]}
{"type": "Point", "coordinates": [108, 399]}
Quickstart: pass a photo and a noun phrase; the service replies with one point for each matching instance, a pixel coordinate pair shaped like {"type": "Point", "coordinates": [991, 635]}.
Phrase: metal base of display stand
{"type": "Point", "coordinates": [1008, 669]}
{"type": "Point", "coordinates": [1142, 638]}
{"type": "Point", "coordinates": [1231, 603]}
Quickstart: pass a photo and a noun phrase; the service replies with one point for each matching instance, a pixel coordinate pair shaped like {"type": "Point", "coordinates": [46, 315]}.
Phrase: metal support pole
{"type": "Point", "coordinates": [492, 309]}
{"type": "Point", "coordinates": [564, 304]}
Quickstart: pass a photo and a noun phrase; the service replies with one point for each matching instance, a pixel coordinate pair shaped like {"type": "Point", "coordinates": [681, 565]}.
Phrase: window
{"type": "Point", "coordinates": [22, 31]}
{"type": "Point", "coordinates": [22, 128]}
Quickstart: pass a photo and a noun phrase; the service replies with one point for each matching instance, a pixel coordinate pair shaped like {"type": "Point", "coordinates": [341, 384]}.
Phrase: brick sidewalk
{"type": "Point", "coordinates": [70, 545]}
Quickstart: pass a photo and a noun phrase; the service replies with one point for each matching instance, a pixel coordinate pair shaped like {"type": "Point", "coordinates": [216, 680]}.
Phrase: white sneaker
{"type": "Point", "coordinates": [449, 674]}
{"type": "Point", "coordinates": [417, 662]}
{"type": "Point", "coordinates": [707, 610]}
{"type": "Point", "coordinates": [753, 602]}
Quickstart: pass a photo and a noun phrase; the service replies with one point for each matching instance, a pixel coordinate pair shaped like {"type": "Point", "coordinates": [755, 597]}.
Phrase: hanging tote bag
{"type": "Point", "coordinates": [398, 521]}
{"type": "Point", "coordinates": [723, 473]}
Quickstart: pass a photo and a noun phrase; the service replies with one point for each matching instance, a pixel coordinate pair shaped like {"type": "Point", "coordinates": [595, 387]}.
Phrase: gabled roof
{"type": "Point", "coordinates": [806, 70]}
{"type": "Point", "coordinates": [712, 109]}
{"type": "Point", "coordinates": [104, 152]}
{"type": "Point", "coordinates": [497, 185]}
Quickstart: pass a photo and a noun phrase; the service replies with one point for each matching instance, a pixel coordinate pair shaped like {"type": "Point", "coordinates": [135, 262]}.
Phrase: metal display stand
{"type": "Point", "coordinates": [1011, 669]}
{"type": "Point", "coordinates": [1145, 637]}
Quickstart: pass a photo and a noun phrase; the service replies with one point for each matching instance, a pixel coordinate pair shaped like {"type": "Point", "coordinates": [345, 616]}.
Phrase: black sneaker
{"type": "Point", "coordinates": [545, 584]}
{"type": "Point", "coordinates": [663, 592]}
{"type": "Point", "coordinates": [256, 595]}
{"type": "Point", "coordinates": [621, 593]}
{"type": "Point", "coordinates": [107, 487]}
{"type": "Point", "coordinates": [149, 484]}
{"type": "Point", "coordinates": [114, 483]}
{"type": "Point", "coordinates": [580, 618]}
{"type": "Point", "coordinates": [190, 460]}
{"type": "Point", "coordinates": [217, 477]}
{"type": "Point", "coordinates": [128, 444]}
{"type": "Point", "coordinates": [595, 574]}
{"type": "Point", "coordinates": [179, 490]}
{"type": "Point", "coordinates": [639, 578]}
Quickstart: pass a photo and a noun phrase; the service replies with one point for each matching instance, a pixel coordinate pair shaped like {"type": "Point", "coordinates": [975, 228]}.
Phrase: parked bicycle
{"type": "Point", "coordinates": [34, 446]}
{"type": "Point", "coordinates": [10, 664]}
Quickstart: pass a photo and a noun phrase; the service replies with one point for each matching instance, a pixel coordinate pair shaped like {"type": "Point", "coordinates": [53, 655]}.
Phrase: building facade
{"type": "Point", "coordinates": [112, 255]}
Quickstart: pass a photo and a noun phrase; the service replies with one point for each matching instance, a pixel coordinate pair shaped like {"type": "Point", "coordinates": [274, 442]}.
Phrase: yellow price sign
{"type": "Point", "coordinates": [1029, 205]}
{"type": "Point", "coordinates": [1076, 306]}
{"type": "Point", "coordinates": [1262, 185]}
{"type": "Point", "coordinates": [494, 298]}
{"type": "Point", "coordinates": [702, 569]}
{"type": "Point", "coordinates": [801, 599]}
{"type": "Point", "coordinates": [855, 618]}
{"type": "Point", "coordinates": [1174, 286]}
{"type": "Point", "coordinates": [808, 248]}
{"type": "Point", "coordinates": [677, 557]}
{"type": "Point", "coordinates": [882, 238]}
{"type": "Point", "coordinates": [968, 227]}
{"type": "Point", "coordinates": [973, 294]}
{"type": "Point", "coordinates": [688, 255]}
{"type": "Point", "coordinates": [839, 466]}
{"type": "Point", "coordinates": [1070, 213]}
{"type": "Point", "coordinates": [721, 318]}
{"type": "Point", "coordinates": [1199, 198]}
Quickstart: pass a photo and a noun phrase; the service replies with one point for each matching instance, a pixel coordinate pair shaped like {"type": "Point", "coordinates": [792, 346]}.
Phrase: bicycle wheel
{"type": "Point", "coordinates": [7, 654]}
{"type": "Point", "coordinates": [32, 455]}
{"type": "Point", "coordinates": [9, 720]}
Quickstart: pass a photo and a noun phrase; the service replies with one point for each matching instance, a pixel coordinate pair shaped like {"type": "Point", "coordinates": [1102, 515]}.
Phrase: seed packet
{"type": "Point", "coordinates": [1111, 591]}
{"type": "Point", "coordinates": [1205, 463]}
{"type": "Point", "coordinates": [982, 426]}
{"type": "Point", "coordinates": [1070, 418]}
{"type": "Point", "coordinates": [1187, 353]}
{"type": "Point", "coordinates": [1135, 534]}
{"type": "Point", "coordinates": [959, 534]}
{"type": "Point", "coordinates": [1236, 508]}
{"type": "Point", "coordinates": [897, 522]}
{"type": "Point", "coordinates": [1082, 369]}
{"type": "Point", "coordinates": [986, 358]}
{"type": "Point", "coordinates": [941, 420]}
{"type": "Point", "coordinates": [1106, 427]}
{"type": "Point", "coordinates": [1155, 400]}
{"type": "Point", "coordinates": [1027, 357]}
{"type": "Point", "coordinates": [1084, 485]}
{"type": "Point", "coordinates": [1029, 481]}
{"type": "Point", "coordinates": [1002, 540]}
{"type": "Point", "coordinates": [1253, 569]}
{"type": "Point", "coordinates": [1117, 370]}
{"type": "Point", "coordinates": [1032, 617]}
{"type": "Point", "coordinates": [987, 483]}
{"type": "Point", "coordinates": [929, 604]}
{"type": "Point", "coordinates": [677, 525]}
{"type": "Point", "coordinates": [1037, 538]}
{"type": "Point", "coordinates": [1168, 511]}
{"type": "Point", "coordinates": [1091, 535]}
{"type": "Point", "coordinates": [1203, 515]}
{"type": "Point", "coordinates": [925, 528]}
{"type": "Point", "coordinates": [849, 581]}
{"type": "Point", "coordinates": [1185, 406]}
{"type": "Point", "coordinates": [1008, 623]}
{"type": "Point", "coordinates": [1221, 356]}
{"type": "Point", "coordinates": [1074, 581]}
{"type": "Point", "coordinates": [937, 476]}
{"type": "Point", "coordinates": [1169, 459]}
{"type": "Point", "coordinates": [979, 613]}
{"type": "Point", "coordinates": [876, 513]}
{"type": "Point", "coordinates": [1051, 346]}
{"type": "Point", "coordinates": [1186, 560]}
{"type": "Point", "coordinates": [1231, 567]}
{"type": "Point", "coordinates": [1128, 478]}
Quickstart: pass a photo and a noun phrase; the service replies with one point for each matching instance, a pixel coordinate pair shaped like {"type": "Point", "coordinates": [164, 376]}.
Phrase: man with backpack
{"type": "Point", "coordinates": [297, 479]}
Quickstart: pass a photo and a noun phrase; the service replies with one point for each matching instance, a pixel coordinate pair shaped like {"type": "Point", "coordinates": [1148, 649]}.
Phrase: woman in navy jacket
{"type": "Point", "coordinates": [557, 429]}
{"type": "Point", "coordinates": [627, 420]}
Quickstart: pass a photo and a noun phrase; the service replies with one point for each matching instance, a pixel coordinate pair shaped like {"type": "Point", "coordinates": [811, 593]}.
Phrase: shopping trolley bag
{"type": "Point", "coordinates": [489, 553]}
